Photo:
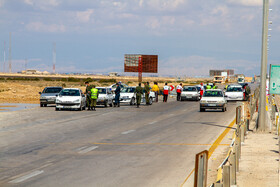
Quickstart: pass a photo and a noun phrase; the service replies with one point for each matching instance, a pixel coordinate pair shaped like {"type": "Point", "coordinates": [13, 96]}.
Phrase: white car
{"type": "Point", "coordinates": [70, 98]}
{"type": "Point", "coordinates": [105, 96]}
{"type": "Point", "coordinates": [127, 95]}
{"type": "Point", "coordinates": [234, 93]}
{"type": "Point", "coordinates": [213, 99]}
{"type": "Point", "coordinates": [152, 97]}
{"type": "Point", "coordinates": [190, 93]}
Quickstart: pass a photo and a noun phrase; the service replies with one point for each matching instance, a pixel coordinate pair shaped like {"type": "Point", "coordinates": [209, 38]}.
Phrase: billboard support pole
{"type": "Point", "coordinates": [140, 69]}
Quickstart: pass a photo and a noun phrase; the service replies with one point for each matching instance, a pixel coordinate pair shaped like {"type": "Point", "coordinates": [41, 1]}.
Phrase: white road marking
{"type": "Point", "coordinates": [28, 176]}
{"type": "Point", "coordinates": [127, 132]}
{"type": "Point", "coordinates": [153, 122]}
{"type": "Point", "coordinates": [81, 148]}
{"type": "Point", "coordinates": [86, 150]}
{"type": "Point", "coordinates": [171, 114]}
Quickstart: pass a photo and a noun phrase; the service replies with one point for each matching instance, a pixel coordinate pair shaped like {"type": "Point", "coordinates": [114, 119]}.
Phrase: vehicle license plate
{"type": "Point", "coordinates": [189, 96]}
{"type": "Point", "coordinates": [211, 104]}
{"type": "Point", "coordinates": [66, 106]}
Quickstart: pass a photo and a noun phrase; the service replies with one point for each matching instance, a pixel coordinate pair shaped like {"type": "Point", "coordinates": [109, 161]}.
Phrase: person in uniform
{"type": "Point", "coordinates": [139, 92]}
{"type": "Point", "coordinates": [179, 90]}
{"type": "Point", "coordinates": [94, 95]}
{"type": "Point", "coordinates": [88, 94]}
{"type": "Point", "coordinates": [147, 93]}
{"type": "Point", "coordinates": [166, 91]}
{"type": "Point", "coordinates": [117, 95]}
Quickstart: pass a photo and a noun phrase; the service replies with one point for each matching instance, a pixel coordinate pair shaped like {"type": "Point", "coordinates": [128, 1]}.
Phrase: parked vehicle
{"type": "Point", "coordinates": [213, 99]}
{"type": "Point", "coordinates": [234, 92]}
{"type": "Point", "coordinates": [241, 79]}
{"type": "Point", "coordinates": [190, 93]}
{"type": "Point", "coordinates": [48, 95]}
{"type": "Point", "coordinates": [127, 95]}
{"type": "Point", "coordinates": [70, 98]}
{"type": "Point", "coordinates": [105, 96]}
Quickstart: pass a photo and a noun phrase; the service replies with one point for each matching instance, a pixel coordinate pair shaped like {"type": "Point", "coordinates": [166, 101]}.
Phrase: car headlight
{"type": "Point", "coordinates": [76, 101]}
{"type": "Point", "coordinates": [220, 101]}
{"type": "Point", "coordinates": [43, 97]}
{"type": "Point", "coordinates": [58, 101]}
{"type": "Point", "coordinates": [203, 101]}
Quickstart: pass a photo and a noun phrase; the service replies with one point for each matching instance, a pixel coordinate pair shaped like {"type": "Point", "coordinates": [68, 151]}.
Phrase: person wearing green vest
{"type": "Point", "coordinates": [214, 86]}
{"type": "Point", "coordinates": [147, 92]}
{"type": "Point", "coordinates": [88, 94]}
{"type": "Point", "coordinates": [94, 96]}
{"type": "Point", "coordinates": [208, 86]}
{"type": "Point", "coordinates": [139, 92]}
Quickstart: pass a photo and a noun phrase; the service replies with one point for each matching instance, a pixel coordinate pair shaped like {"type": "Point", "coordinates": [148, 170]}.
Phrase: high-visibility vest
{"type": "Point", "coordinates": [208, 87]}
{"type": "Point", "coordinates": [94, 93]}
{"type": "Point", "coordinates": [179, 89]}
{"type": "Point", "coordinates": [165, 90]}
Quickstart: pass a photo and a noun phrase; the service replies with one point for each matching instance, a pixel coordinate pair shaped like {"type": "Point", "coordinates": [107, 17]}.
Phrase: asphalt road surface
{"type": "Point", "coordinates": [127, 146]}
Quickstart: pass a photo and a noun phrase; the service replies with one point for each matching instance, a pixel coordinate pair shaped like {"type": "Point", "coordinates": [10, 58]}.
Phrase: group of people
{"type": "Point", "coordinates": [92, 93]}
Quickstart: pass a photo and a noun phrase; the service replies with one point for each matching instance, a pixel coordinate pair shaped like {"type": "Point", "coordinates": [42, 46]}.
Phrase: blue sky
{"type": "Point", "coordinates": [190, 36]}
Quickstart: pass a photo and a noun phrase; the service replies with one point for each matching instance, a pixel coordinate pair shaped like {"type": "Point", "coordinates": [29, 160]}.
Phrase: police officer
{"type": "Point", "coordinates": [147, 92]}
{"type": "Point", "coordinates": [117, 95]}
{"type": "Point", "coordinates": [139, 92]}
{"type": "Point", "coordinates": [94, 96]}
{"type": "Point", "coordinates": [88, 94]}
{"type": "Point", "coordinates": [214, 86]}
{"type": "Point", "coordinates": [208, 86]}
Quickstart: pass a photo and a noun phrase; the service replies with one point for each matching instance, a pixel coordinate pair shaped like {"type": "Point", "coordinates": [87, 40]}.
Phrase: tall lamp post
{"type": "Point", "coordinates": [262, 108]}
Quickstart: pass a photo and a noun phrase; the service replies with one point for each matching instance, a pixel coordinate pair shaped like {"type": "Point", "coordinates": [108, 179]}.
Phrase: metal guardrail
{"type": "Point", "coordinates": [226, 172]}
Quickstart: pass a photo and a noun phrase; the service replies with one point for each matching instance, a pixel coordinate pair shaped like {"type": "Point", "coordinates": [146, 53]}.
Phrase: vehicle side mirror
{"type": "Point", "coordinates": [56, 95]}
{"type": "Point", "coordinates": [40, 93]}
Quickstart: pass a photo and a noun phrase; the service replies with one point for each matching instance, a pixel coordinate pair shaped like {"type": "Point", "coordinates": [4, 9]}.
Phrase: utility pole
{"type": "Point", "coordinates": [54, 56]}
{"type": "Point", "coordinates": [4, 56]}
{"type": "Point", "coordinates": [262, 108]}
{"type": "Point", "coordinates": [25, 64]}
{"type": "Point", "coordinates": [10, 53]}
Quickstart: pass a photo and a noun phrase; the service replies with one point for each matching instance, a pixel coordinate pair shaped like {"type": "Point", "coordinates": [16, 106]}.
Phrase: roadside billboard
{"type": "Point", "coordinates": [274, 83]}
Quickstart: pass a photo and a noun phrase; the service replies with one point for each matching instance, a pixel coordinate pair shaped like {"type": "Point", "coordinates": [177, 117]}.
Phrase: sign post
{"type": "Point", "coordinates": [274, 83]}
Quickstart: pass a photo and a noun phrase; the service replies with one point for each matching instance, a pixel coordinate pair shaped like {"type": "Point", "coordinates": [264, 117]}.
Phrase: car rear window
{"type": "Point", "coordinates": [190, 89]}
{"type": "Point", "coordinates": [52, 90]}
{"type": "Point", "coordinates": [234, 89]}
{"type": "Point", "coordinates": [213, 94]}
{"type": "Point", "coordinates": [68, 92]}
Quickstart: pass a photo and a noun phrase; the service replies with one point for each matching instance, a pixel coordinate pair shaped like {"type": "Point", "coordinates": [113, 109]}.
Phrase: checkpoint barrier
{"type": "Point", "coordinates": [226, 172]}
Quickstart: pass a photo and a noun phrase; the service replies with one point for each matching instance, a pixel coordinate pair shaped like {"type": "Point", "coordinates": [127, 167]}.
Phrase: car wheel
{"type": "Point", "coordinates": [56, 109]}
{"type": "Point", "coordinates": [111, 104]}
{"type": "Point", "coordinates": [223, 109]}
{"type": "Point", "coordinates": [41, 105]}
{"type": "Point", "coordinates": [84, 107]}
{"type": "Point", "coordinates": [202, 109]}
{"type": "Point", "coordinates": [151, 101]}
{"type": "Point", "coordinates": [80, 109]}
{"type": "Point", "coordinates": [132, 102]}
{"type": "Point", "coordinates": [105, 104]}
{"type": "Point", "coordinates": [45, 105]}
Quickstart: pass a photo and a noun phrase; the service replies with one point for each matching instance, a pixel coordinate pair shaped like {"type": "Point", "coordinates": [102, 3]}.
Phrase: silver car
{"type": "Point", "coordinates": [48, 95]}
{"type": "Point", "coordinates": [190, 93]}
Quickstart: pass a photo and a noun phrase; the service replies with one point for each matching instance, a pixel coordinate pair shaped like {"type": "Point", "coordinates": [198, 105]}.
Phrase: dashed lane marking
{"type": "Point", "coordinates": [86, 150]}
{"type": "Point", "coordinates": [127, 132]}
{"type": "Point", "coordinates": [28, 176]}
{"type": "Point", "coordinates": [182, 144]}
{"type": "Point", "coordinates": [152, 122]}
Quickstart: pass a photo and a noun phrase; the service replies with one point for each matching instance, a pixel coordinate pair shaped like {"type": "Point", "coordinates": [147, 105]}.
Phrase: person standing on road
{"type": "Point", "coordinates": [147, 92]}
{"type": "Point", "coordinates": [208, 86]}
{"type": "Point", "coordinates": [94, 96]}
{"type": "Point", "coordinates": [156, 90]}
{"type": "Point", "coordinates": [201, 91]}
{"type": "Point", "coordinates": [165, 92]}
{"type": "Point", "coordinates": [247, 90]}
{"type": "Point", "coordinates": [88, 94]}
{"type": "Point", "coordinates": [179, 90]}
{"type": "Point", "coordinates": [139, 92]}
{"type": "Point", "coordinates": [214, 86]}
{"type": "Point", "coordinates": [117, 95]}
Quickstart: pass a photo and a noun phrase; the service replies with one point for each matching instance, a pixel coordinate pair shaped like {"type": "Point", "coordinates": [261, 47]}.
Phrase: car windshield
{"type": "Point", "coordinates": [101, 90]}
{"type": "Point", "coordinates": [190, 89]}
{"type": "Point", "coordinates": [213, 94]}
{"type": "Point", "coordinates": [70, 92]}
{"type": "Point", "coordinates": [52, 90]}
{"type": "Point", "coordinates": [128, 90]}
{"type": "Point", "coordinates": [234, 89]}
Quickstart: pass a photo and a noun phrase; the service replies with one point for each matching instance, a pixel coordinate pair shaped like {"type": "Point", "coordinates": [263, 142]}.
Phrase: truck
{"type": "Point", "coordinates": [240, 79]}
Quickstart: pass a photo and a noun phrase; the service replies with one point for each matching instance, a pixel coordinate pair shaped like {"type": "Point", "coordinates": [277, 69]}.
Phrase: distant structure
{"type": "Point", "coordinates": [113, 74]}
{"type": "Point", "coordinates": [54, 56]}
{"type": "Point", "coordinates": [4, 64]}
{"type": "Point", "coordinates": [213, 73]}
{"type": "Point", "coordinates": [10, 53]}
{"type": "Point", "coordinates": [34, 72]}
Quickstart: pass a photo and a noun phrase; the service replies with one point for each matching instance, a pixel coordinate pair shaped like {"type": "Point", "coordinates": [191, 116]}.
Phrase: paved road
{"type": "Point", "coordinates": [150, 146]}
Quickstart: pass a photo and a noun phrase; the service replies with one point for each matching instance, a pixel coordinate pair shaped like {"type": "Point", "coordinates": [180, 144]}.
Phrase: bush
{"type": "Point", "coordinates": [47, 79]}
{"type": "Point", "coordinates": [63, 85]}
{"type": "Point", "coordinates": [88, 79]}
{"type": "Point", "coordinates": [107, 80]}
{"type": "Point", "coordinates": [72, 79]}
